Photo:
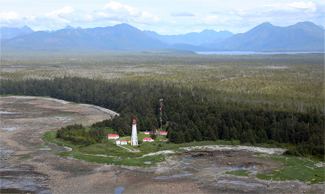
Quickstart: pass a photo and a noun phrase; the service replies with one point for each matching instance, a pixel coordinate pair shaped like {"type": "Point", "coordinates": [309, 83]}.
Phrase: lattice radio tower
{"type": "Point", "coordinates": [161, 107]}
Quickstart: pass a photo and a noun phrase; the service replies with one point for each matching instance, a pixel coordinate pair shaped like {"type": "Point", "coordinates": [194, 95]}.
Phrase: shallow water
{"type": "Point", "coordinates": [8, 128]}
{"type": "Point", "coordinates": [119, 190]}
{"type": "Point", "coordinates": [249, 53]}
{"type": "Point", "coordinates": [22, 180]}
{"type": "Point", "coordinates": [175, 176]}
{"type": "Point", "coordinates": [7, 113]}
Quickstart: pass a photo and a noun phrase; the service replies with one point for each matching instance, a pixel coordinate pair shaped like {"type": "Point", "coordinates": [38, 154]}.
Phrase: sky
{"type": "Point", "coordinates": [162, 16]}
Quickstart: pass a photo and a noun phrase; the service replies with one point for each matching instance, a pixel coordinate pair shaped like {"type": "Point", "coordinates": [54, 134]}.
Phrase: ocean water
{"type": "Point", "coordinates": [251, 53]}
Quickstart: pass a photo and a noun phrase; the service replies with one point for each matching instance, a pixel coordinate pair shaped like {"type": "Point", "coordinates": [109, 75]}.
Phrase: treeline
{"type": "Point", "coordinates": [78, 134]}
{"type": "Point", "coordinates": [188, 114]}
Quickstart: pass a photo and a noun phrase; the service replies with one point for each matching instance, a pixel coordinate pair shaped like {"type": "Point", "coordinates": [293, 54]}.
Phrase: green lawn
{"type": "Point", "coordinates": [120, 160]}
{"type": "Point", "coordinates": [107, 149]}
{"type": "Point", "coordinates": [107, 152]}
{"type": "Point", "coordinates": [238, 172]}
{"type": "Point", "coordinates": [296, 168]}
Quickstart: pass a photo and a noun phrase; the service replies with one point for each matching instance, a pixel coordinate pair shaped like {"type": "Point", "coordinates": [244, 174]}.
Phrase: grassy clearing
{"type": "Point", "coordinates": [121, 160]}
{"type": "Point", "coordinates": [295, 168]}
{"type": "Point", "coordinates": [108, 153]}
{"type": "Point", "coordinates": [238, 172]}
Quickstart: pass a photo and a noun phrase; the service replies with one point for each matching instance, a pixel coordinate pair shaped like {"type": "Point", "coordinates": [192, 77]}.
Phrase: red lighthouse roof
{"type": "Point", "coordinates": [134, 121]}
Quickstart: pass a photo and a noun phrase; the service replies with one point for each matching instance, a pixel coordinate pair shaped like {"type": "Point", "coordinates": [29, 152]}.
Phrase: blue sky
{"type": "Point", "coordinates": [163, 16]}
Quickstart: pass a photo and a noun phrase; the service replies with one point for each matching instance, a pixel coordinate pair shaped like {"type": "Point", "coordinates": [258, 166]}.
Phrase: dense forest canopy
{"type": "Point", "coordinates": [189, 115]}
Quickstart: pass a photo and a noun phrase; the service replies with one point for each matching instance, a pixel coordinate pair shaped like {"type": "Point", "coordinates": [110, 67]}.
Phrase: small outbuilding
{"type": "Point", "coordinates": [121, 142]}
{"type": "Point", "coordinates": [163, 132]}
{"type": "Point", "coordinates": [124, 142]}
{"type": "Point", "coordinates": [148, 139]}
{"type": "Point", "coordinates": [112, 136]}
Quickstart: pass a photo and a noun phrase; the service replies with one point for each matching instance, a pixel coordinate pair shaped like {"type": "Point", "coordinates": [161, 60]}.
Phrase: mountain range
{"type": "Point", "coordinates": [8, 33]}
{"type": "Point", "coordinates": [303, 36]}
{"type": "Point", "coordinates": [193, 38]}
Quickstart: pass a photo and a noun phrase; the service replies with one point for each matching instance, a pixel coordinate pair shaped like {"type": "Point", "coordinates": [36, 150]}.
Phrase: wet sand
{"type": "Point", "coordinates": [27, 165]}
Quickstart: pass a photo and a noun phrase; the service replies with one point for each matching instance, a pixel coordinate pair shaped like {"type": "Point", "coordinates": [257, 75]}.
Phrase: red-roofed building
{"type": "Point", "coordinates": [163, 132]}
{"type": "Point", "coordinates": [148, 139]}
{"type": "Point", "coordinates": [112, 136]}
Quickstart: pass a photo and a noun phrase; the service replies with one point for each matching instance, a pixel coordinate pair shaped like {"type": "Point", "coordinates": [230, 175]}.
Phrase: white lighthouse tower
{"type": "Point", "coordinates": [134, 137]}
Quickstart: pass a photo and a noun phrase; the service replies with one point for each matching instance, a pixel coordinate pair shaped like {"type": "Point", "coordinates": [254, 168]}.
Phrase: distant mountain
{"type": "Point", "coordinates": [118, 37]}
{"type": "Point", "coordinates": [193, 38]}
{"type": "Point", "coordinates": [8, 32]}
{"type": "Point", "coordinates": [303, 36]}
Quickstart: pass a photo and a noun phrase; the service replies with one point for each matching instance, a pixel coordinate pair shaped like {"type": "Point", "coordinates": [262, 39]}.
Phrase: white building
{"type": "Point", "coordinates": [121, 142]}
{"type": "Point", "coordinates": [134, 137]}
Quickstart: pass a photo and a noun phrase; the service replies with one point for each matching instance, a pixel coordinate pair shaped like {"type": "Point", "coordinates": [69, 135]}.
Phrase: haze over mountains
{"type": "Point", "coordinates": [303, 36]}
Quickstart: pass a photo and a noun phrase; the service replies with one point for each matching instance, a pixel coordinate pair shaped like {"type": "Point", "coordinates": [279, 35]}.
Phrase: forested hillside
{"type": "Point", "coordinates": [189, 115]}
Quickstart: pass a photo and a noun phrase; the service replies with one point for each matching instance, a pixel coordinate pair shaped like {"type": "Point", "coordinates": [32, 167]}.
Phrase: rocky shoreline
{"type": "Point", "coordinates": [28, 165]}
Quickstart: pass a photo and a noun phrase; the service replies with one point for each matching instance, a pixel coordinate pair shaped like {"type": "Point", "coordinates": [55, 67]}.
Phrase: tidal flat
{"type": "Point", "coordinates": [46, 172]}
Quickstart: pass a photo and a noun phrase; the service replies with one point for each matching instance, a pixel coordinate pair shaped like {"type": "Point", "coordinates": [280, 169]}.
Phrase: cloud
{"type": "Point", "coordinates": [308, 6]}
{"type": "Point", "coordinates": [192, 18]}
{"type": "Point", "coordinates": [277, 13]}
{"type": "Point", "coordinates": [116, 6]}
{"type": "Point", "coordinates": [59, 17]}
{"type": "Point", "coordinates": [10, 15]}
{"type": "Point", "coordinates": [111, 13]}
{"type": "Point", "coordinates": [182, 14]}
{"type": "Point", "coordinates": [124, 13]}
{"type": "Point", "coordinates": [54, 19]}
{"type": "Point", "coordinates": [297, 6]}
{"type": "Point", "coordinates": [9, 18]}
{"type": "Point", "coordinates": [61, 12]}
